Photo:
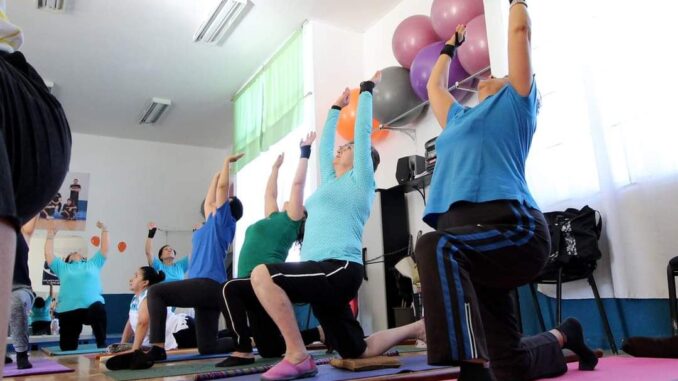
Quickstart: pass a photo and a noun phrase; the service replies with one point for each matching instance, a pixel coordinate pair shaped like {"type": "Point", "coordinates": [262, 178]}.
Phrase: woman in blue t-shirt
{"type": "Point", "coordinates": [173, 269]}
{"type": "Point", "coordinates": [80, 297]}
{"type": "Point", "coordinates": [490, 235]}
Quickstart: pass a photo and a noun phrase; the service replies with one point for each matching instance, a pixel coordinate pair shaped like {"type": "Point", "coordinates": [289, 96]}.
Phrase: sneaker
{"type": "Point", "coordinates": [285, 370]}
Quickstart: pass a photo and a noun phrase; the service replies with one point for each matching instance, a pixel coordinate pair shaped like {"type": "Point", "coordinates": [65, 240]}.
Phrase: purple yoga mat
{"type": "Point", "coordinates": [40, 366]}
{"type": "Point", "coordinates": [621, 368]}
{"type": "Point", "coordinates": [328, 372]}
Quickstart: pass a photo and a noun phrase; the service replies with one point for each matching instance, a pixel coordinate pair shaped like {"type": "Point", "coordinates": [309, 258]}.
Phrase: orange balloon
{"type": "Point", "coordinates": [122, 246]}
{"type": "Point", "coordinates": [95, 240]}
{"type": "Point", "coordinates": [346, 123]}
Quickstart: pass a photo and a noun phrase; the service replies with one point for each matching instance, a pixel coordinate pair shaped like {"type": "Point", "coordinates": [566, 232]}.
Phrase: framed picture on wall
{"type": "Point", "coordinates": [68, 208]}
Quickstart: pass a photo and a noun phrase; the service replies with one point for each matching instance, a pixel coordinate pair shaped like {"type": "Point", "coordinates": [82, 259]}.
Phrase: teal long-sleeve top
{"type": "Point", "coordinates": [339, 208]}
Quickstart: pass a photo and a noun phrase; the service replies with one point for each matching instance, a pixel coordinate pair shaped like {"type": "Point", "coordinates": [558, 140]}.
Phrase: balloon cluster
{"type": "Point", "coordinates": [416, 45]}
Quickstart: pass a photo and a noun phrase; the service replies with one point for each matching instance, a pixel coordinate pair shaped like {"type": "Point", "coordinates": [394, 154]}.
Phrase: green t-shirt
{"type": "Point", "coordinates": [267, 241]}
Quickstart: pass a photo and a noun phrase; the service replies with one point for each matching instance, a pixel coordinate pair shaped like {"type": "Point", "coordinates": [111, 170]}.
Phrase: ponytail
{"type": "Point", "coordinates": [152, 276]}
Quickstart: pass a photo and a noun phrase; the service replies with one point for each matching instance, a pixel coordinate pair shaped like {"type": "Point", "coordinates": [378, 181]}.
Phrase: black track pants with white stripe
{"type": "Point", "coordinates": [468, 269]}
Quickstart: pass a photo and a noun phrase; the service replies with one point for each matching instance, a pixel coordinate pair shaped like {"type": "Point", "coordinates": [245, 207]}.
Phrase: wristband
{"type": "Point", "coordinates": [514, 2]}
{"type": "Point", "coordinates": [335, 107]}
{"type": "Point", "coordinates": [367, 86]}
{"type": "Point", "coordinates": [305, 152]}
{"type": "Point", "coordinates": [448, 50]}
{"type": "Point", "coordinates": [151, 232]}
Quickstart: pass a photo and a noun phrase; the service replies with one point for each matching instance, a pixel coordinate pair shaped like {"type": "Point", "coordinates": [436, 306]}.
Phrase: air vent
{"type": "Point", "coordinates": [222, 21]}
{"type": "Point", "coordinates": [155, 110]}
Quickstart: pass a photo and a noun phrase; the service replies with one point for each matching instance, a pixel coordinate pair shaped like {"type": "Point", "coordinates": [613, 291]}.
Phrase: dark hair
{"type": "Point", "coordinates": [163, 248]}
{"type": "Point", "coordinates": [152, 276]}
{"type": "Point", "coordinates": [39, 302]}
{"type": "Point", "coordinates": [375, 156]}
{"type": "Point", "coordinates": [236, 208]}
{"type": "Point", "coordinates": [68, 257]}
{"type": "Point", "coordinates": [302, 229]}
{"type": "Point", "coordinates": [375, 159]}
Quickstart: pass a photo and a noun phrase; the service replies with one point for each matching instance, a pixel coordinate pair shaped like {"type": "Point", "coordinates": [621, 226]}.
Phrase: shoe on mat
{"type": "Point", "coordinates": [285, 370]}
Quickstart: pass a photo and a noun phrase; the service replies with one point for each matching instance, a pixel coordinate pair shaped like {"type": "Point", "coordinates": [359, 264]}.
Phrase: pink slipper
{"type": "Point", "coordinates": [285, 370]}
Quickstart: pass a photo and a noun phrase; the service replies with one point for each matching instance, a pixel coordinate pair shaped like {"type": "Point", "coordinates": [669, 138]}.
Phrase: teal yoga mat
{"type": "Point", "coordinates": [82, 350]}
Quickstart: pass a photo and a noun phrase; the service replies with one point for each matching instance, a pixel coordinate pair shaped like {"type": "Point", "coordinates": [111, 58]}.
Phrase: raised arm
{"type": "Point", "coordinates": [224, 181]}
{"type": "Point", "coordinates": [28, 228]}
{"type": "Point", "coordinates": [49, 245]}
{"type": "Point", "coordinates": [104, 238]}
{"type": "Point", "coordinates": [519, 47]}
{"type": "Point", "coordinates": [271, 196]}
{"type": "Point", "coordinates": [327, 139]}
{"type": "Point", "coordinates": [148, 248]}
{"type": "Point", "coordinates": [362, 154]}
{"type": "Point", "coordinates": [438, 95]}
{"type": "Point", "coordinates": [211, 197]}
{"type": "Point", "coordinates": [295, 208]}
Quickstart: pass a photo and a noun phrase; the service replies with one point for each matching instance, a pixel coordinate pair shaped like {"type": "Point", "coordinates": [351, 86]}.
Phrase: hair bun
{"type": "Point", "coordinates": [161, 276]}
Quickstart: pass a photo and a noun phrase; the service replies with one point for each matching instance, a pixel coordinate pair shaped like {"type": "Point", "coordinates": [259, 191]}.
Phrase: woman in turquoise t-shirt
{"type": "Point", "coordinates": [490, 235]}
{"type": "Point", "coordinates": [41, 317]}
{"type": "Point", "coordinates": [174, 269]}
{"type": "Point", "coordinates": [80, 297]}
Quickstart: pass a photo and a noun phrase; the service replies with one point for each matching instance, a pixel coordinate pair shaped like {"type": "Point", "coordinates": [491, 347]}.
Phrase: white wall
{"type": "Point", "coordinates": [133, 182]}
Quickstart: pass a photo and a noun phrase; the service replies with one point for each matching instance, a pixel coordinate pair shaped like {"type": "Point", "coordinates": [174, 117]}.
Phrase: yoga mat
{"type": "Point", "coordinates": [620, 368]}
{"type": "Point", "coordinates": [40, 366]}
{"type": "Point", "coordinates": [82, 349]}
{"type": "Point", "coordinates": [409, 364]}
{"type": "Point", "coordinates": [106, 356]}
{"type": "Point", "coordinates": [161, 370]}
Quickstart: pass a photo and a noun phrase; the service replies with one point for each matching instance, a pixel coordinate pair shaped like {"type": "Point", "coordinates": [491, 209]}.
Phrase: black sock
{"type": "Point", "coordinates": [119, 362]}
{"type": "Point", "coordinates": [22, 360]}
{"type": "Point", "coordinates": [235, 361]}
{"type": "Point", "coordinates": [660, 347]}
{"type": "Point", "coordinates": [8, 360]}
{"type": "Point", "coordinates": [470, 371]}
{"type": "Point", "coordinates": [157, 353]}
{"type": "Point", "coordinates": [141, 360]}
{"type": "Point", "coordinates": [574, 341]}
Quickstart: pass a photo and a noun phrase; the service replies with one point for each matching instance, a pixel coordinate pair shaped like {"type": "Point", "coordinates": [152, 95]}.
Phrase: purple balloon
{"type": "Point", "coordinates": [474, 54]}
{"type": "Point", "coordinates": [447, 14]}
{"type": "Point", "coordinates": [410, 36]}
{"type": "Point", "coordinates": [421, 71]}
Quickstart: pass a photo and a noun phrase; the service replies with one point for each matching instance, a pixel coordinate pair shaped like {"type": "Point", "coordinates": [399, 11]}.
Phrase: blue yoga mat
{"type": "Point", "coordinates": [192, 356]}
{"type": "Point", "coordinates": [328, 372]}
{"type": "Point", "coordinates": [82, 350]}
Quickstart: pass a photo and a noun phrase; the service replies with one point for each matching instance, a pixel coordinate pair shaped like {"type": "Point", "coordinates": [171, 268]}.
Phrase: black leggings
{"type": "Point", "coordinates": [240, 306]}
{"type": "Point", "coordinates": [201, 294]}
{"type": "Point", "coordinates": [469, 268]}
{"type": "Point", "coordinates": [41, 328]}
{"type": "Point", "coordinates": [71, 322]}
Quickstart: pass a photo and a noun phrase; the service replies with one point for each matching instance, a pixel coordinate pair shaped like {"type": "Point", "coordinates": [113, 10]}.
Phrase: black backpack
{"type": "Point", "coordinates": [574, 240]}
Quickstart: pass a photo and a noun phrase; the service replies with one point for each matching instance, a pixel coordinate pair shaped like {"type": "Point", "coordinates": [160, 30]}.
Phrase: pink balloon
{"type": "Point", "coordinates": [447, 14]}
{"type": "Point", "coordinates": [474, 54]}
{"type": "Point", "coordinates": [410, 36]}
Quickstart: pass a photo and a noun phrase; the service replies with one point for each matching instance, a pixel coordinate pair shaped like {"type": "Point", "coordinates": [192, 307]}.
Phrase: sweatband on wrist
{"type": "Point", "coordinates": [305, 152]}
{"type": "Point", "coordinates": [151, 232]}
{"type": "Point", "coordinates": [367, 86]}
{"type": "Point", "coordinates": [336, 107]}
{"type": "Point", "coordinates": [448, 50]}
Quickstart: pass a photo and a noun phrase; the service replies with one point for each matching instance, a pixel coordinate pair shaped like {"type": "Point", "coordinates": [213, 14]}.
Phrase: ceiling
{"type": "Point", "coordinates": [109, 58]}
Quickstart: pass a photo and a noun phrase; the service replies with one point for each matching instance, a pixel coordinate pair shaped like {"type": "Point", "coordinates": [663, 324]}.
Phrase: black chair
{"type": "Point", "coordinates": [672, 273]}
{"type": "Point", "coordinates": [562, 275]}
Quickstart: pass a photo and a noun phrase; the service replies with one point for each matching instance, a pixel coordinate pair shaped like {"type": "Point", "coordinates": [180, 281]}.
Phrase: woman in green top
{"type": "Point", "coordinates": [166, 262]}
{"type": "Point", "coordinates": [266, 241]}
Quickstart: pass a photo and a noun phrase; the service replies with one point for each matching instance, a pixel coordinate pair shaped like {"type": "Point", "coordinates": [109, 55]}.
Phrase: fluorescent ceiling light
{"type": "Point", "coordinates": [155, 110]}
{"type": "Point", "coordinates": [222, 20]}
{"type": "Point", "coordinates": [54, 5]}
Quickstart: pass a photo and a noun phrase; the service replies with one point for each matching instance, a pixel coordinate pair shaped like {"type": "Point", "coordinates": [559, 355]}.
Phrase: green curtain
{"type": "Point", "coordinates": [272, 104]}
{"type": "Point", "coordinates": [248, 115]}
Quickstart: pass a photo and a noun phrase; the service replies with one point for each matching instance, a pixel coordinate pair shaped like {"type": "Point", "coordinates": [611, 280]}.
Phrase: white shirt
{"type": "Point", "coordinates": [11, 36]}
{"type": "Point", "coordinates": [173, 324]}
